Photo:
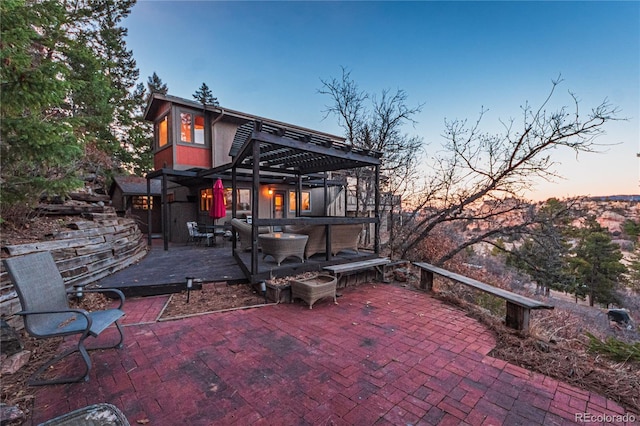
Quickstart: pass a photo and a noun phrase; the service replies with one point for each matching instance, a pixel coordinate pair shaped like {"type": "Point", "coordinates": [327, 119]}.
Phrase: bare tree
{"type": "Point", "coordinates": [376, 123]}
{"type": "Point", "coordinates": [480, 178]}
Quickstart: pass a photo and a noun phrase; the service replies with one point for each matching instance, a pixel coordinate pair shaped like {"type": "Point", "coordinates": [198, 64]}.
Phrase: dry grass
{"type": "Point", "coordinates": [557, 346]}
{"type": "Point", "coordinates": [213, 297]}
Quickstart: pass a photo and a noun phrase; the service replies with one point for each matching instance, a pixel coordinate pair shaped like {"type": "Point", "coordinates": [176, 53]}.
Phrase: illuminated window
{"type": "Point", "coordinates": [306, 201]}
{"type": "Point", "coordinates": [191, 128]}
{"type": "Point", "coordinates": [162, 131]}
{"type": "Point", "coordinates": [139, 202]}
{"type": "Point", "coordinates": [185, 127]}
{"type": "Point", "coordinates": [198, 130]}
{"type": "Point", "coordinates": [206, 195]}
{"type": "Point", "coordinates": [244, 199]}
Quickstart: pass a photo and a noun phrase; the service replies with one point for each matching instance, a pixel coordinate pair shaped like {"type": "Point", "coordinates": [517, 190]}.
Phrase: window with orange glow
{"type": "Point", "coordinates": [206, 195]}
{"type": "Point", "coordinates": [243, 199]}
{"type": "Point", "coordinates": [306, 201]}
{"type": "Point", "coordinates": [140, 202]}
{"type": "Point", "coordinates": [162, 131]}
{"type": "Point", "coordinates": [198, 130]}
{"type": "Point", "coordinates": [191, 128]}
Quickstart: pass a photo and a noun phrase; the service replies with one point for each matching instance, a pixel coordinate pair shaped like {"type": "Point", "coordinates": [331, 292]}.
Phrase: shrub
{"type": "Point", "coordinates": [614, 348]}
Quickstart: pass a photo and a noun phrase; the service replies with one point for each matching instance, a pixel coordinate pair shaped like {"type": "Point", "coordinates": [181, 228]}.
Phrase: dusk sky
{"type": "Point", "coordinates": [267, 59]}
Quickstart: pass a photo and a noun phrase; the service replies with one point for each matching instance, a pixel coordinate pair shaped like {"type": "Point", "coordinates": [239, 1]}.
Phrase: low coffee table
{"type": "Point", "coordinates": [281, 245]}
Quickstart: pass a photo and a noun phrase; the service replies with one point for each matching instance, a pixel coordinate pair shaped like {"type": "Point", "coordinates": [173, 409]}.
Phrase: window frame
{"type": "Point", "coordinates": [141, 202]}
{"type": "Point", "coordinates": [243, 193]}
{"type": "Point", "coordinates": [193, 132]}
{"type": "Point", "coordinates": [206, 198]}
{"type": "Point", "coordinates": [167, 119]}
{"type": "Point", "coordinates": [292, 201]}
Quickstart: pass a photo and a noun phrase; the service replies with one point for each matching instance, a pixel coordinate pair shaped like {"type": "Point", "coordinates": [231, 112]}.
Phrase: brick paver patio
{"type": "Point", "coordinates": [384, 355]}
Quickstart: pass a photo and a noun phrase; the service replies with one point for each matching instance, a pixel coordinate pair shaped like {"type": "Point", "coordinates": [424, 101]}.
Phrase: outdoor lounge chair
{"type": "Point", "coordinates": [46, 312]}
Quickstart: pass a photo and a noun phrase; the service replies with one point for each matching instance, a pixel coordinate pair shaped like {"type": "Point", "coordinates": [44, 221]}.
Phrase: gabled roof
{"type": "Point", "coordinates": [284, 148]}
{"type": "Point", "coordinates": [156, 100]}
{"type": "Point", "coordinates": [134, 185]}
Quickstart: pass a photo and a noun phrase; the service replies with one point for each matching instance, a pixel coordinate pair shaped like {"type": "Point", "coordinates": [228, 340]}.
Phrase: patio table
{"type": "Point", "coordinates": [216, 230]}
{"type": "Point", "coordinates": [281, 245]}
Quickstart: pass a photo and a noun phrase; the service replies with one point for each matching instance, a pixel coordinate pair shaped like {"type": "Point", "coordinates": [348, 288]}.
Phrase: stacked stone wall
{"type": "Point", "coordinates": [91, 248]}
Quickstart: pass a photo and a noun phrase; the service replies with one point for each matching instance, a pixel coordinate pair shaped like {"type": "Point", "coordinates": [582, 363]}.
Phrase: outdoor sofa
{"type": "Point", "coordinates": [343, 237]}
{"type": "Point", "coordinates": [244, 229]}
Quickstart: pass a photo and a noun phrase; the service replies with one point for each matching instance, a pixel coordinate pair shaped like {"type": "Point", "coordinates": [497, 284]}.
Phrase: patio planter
{"type": "Point", "coordinates": [279, 293]}
{"type": "Point", "coordinates": [313, 289]}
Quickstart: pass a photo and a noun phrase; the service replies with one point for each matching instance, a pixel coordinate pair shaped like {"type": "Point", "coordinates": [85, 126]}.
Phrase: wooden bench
{"type": "Point", "coordinates": [518, 306]}
{"type": "Point", "coordinates": [345, 268]}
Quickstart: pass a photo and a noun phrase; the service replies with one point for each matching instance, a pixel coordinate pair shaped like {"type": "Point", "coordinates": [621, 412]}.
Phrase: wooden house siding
{"type": "Point", "coordinates": [188, 156]}
{"type": "Point", "coordinates": [163, 158]}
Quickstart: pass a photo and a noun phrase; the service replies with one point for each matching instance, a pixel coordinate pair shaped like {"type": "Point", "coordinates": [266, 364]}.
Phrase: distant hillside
{"type": "Point", "coordinates": [630, 198]}
{"type": "Point", "coordinates": [613, 211]}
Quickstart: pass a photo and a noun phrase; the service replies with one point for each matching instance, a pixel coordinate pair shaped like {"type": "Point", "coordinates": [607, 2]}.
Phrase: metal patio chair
{"type": "Point", "coordinates": [46, 312]}
{"type": "Point", "coordinates": [196, 236]}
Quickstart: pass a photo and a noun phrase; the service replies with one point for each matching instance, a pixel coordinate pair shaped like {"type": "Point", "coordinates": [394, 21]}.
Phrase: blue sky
{"type": "Point", "coordinates": [267, 58]}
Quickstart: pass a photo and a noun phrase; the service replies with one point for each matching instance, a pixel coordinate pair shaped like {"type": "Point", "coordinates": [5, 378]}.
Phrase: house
{"type": "Point", "coordinates": [129, 198]}
{"type": "Point", "coordinates": [277, 173]}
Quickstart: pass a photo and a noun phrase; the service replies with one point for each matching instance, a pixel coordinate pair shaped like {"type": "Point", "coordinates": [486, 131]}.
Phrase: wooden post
{"type": "Point", "coordinates": [149, 217]}
{"type": "Point", "coordinates": [326, 195]}
{"type": "Point", "coordinates": [426, 280]}
{"type": "Point", "coordinates": [165, 212]}
{"type": "Point", "coordinates": [517, 316]}
{"type": "Point", "coordinates": [234, 203]}
{"type": "Point", "coordinates": [376, 227]}
{"type": "Point", "coordinates": [255, 199]}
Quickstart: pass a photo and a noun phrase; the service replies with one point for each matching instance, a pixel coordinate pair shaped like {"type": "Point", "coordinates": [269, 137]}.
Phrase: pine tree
{"type": "Point", "coordinates": [99, 24]}
{"type": "Point", "coordinates": [634, 272]}
{"type": "Point", "coordinates": [205, 96]}
{"type": "Point", "coordinates": [596, 263]}
{"type": "Point", "coordinates": [155, 85]}
{"type": "Point", "coordinates": [39, 137]}
{"type": "Point", "coordinates": [544, 254]}
{"type": "Point", "coordinates": [139, 136]}
{"type": "Point", "coordinates": [65, 102]}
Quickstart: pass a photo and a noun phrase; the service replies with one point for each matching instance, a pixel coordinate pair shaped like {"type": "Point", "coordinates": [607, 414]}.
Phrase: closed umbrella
{"type": "Point", "coordinates": [218, 209]}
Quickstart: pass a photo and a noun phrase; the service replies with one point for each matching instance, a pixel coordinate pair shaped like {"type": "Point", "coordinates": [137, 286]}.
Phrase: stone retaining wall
{"type": "Point", "coordinates": [88, 251]}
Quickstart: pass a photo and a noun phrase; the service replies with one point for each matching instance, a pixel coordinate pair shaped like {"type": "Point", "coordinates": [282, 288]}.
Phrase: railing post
{"type": "Point", "coordinates": [426, 280]}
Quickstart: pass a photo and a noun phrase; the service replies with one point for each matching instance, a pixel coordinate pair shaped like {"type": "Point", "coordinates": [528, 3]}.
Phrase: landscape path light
{"type": "Point", "coordinates": [189, 287]}
{"type": "Point", "coordinates": [78, 291]}
{"type": "Point", "coordinates": [263, 289]}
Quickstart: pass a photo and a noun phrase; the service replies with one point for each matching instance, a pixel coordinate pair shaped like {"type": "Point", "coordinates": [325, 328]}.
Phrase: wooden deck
{"type": "Point", "coordinates": [268, 268]}
{"type": "Point", "coordinates": [164, 272]}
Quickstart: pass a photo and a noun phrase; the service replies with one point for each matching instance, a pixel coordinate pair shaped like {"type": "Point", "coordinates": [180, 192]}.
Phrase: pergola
{"type": "Point", "coordinates": [269, 152]}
